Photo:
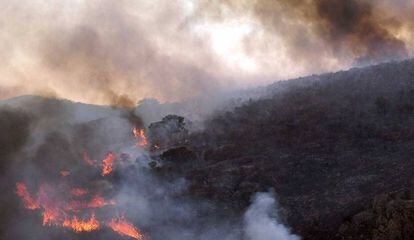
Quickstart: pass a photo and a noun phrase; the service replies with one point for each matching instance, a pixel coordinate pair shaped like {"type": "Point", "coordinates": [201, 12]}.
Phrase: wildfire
{"type": "Point", "coordinates": [50, 216]}
{"type": "Point", "coordinates": [64, 173]}
{"type": "Point", "coordinates": [96, 202]}
{"type": "Point", "coordinates": [81, 225]}
{"type": "Point", "coordinates": [52, 213]}
{"type": "Point", "coordinates": [139, 134]}
{"type": "Point", "coordinates": [99, 201]}
{"type": "Point", "coordinates": [56, 210]}
{"type": "Point", "coordinates": [124, 227]}
{"type": "Point", "coordinates": [78, 191]}
{"type": "Point", "coordinates": [107, 164]}
{"type": "Point", "coordinates": [88, 161]}
{"type": "Point", "coordinates": [28, 201]}
{"type": "Point", "coordinates": [66, 206]}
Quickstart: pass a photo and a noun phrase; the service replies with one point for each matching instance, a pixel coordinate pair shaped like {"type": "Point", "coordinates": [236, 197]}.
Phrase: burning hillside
{"type": "Point", "coordinates": [99, 182]}
{"type": "Point", "coordinates": [339, 144]}
{"type": "Point", "coordinates": [78, 208]}
{"type": "Point", "coordinates": [150, 119]}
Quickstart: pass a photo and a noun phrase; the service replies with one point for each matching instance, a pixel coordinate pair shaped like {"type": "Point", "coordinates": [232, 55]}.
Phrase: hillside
{"type": "Point", "coordinates": [328, 145]}
{"type": "Point", "coordinates": [337, 150]}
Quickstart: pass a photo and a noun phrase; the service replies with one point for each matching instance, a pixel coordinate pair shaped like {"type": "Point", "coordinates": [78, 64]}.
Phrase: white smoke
{"type": "Point", "coordinates": [260, 222]}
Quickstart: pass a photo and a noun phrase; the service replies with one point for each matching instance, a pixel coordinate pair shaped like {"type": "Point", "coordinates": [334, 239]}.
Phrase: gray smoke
{"type": "Point", "coordinates": [261, 220]}
{"type": "Point", "coordinates": [119, 52]}
{"type": "Point", "coordinates": [157, 203]}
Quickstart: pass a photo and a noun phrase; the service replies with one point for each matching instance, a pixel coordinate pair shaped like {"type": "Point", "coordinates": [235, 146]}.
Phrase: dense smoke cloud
{"type": "Point", "coordinates": [119, 52]}
{"type": "Point", "coordinates": [348, 31]}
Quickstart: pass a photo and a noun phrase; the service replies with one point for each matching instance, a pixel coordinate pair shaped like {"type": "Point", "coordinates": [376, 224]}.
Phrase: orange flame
{"type": "Point", "coordinates": [52, 213]}
{"type": "Point", "coordinates": [88, 161]}
{"type": "Point", "coordinates": [107, 164]}
{"type": "Point", "coordinates": [124, 227]}
{"type": "Point", "coordinates": [58, 210]}
{"type": "Point", "coordinates": [78, 191]}
{"type": "Point", "coordinates": [50, 216]}
{"type": "Point", "coordinates": [28, 201]}
{"type": "Point", "coordinates": [81, 225]}
{"type": "Point", "coordinates": [95, 202]}
{"type": "Point", "coordinates": [141, 139]}
{"type": "Point", "coordinates": [99, 201]}
{"type": "Point", "coordinates": [64, 173]}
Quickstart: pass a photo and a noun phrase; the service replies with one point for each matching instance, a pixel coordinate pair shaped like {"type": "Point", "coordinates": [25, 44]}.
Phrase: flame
{"type": "Point", "coordinates": [99, 201]}
{"type": "Point", "coordinates": [64, 173]}
{"type": "Point", "coordinates": [96, 202]}
{"type": "Point", "coordinates": [57, 209]}
{"type": "Point", "coordinates": [51, 216]}
{"type": "Point", "coordinates": [63, 210]}
{"type": "Point", "coordinates": [52, 213]}
{"type": "Point", "coordinates": [139, 134]}
{"type": "Point", "coordinates": [124, 227]}
{"type": "Point", "coordinates": [107, 163]}
{"type": "Point", "coordinates": [28, 201]}
{"type": "Point", "coordinates": [79, 191]}
{"type": "Point", "coordinates": [81, 225]}
{"type": "Point", "coordinates": [88, 161]}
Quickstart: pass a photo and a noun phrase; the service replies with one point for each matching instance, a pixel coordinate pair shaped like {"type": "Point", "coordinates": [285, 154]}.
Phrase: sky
{"type": "Point", "coordinates": [118, 52]}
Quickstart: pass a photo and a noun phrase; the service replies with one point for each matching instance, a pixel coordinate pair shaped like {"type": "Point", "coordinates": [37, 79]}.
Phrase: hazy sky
{"type": "Point", "coordinates": [125, 50]}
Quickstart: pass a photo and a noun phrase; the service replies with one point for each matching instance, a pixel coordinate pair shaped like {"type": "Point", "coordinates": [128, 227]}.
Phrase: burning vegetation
{"type": "Point", "coordinates": [140, 138]}
{"type": "Point", "coordinates": [80, 210]}
{"type": "Point", "coordinates": [125, 228]}
{"type": "Point", "coordinates": [107, 163]}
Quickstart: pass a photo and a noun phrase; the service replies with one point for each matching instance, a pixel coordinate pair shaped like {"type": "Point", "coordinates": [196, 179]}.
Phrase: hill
{"type": "Point", "coordinates": [328, 145]}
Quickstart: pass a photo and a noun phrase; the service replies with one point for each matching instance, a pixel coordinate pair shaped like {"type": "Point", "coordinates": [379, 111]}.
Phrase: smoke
{"type": "Point", "coordinates": [260, 222]}
{"type": "Point", "coordinates": [45, 140]}
{"type": "Point", "coordinates": [116, 53]}
{"type": "Point", "coordinates": [103, 51]}
{"type": "Point", "coordinates": [325, 31]}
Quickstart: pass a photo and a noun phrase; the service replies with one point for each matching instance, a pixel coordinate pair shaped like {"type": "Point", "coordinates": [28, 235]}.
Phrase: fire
{"type": "Point", "coordinates": [64, 212]}
{"type": "Point", "coordinates": [52, 213]}
{"type": "Point", "coordinates": [107, 164]}
{"type": "Point", "coordinates": [99, 201]}
{"type": "Point", "coordinates": [88, 161]}
{"type": "Point", "coordinates": [141, 139]}
{"type": "Point", "coordinates": [28, 201]}
{"type": "Point", "coordinates": [96, 202]}
{"type": "Point", "coordinates": [62, 205]}
{"type": "Point", "coordinates": [124, 227]}
{"type": "Point", "coordinates": [81, 225]}
{"type": "Point", "coordinates": [50, 216]}
{"type": "Point", "coordinates": [64, 173]}
{"type": "Point", "coordinates": [79, 191]}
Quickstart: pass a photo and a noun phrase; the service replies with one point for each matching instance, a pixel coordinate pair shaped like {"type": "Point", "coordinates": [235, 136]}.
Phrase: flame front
{"type": "Point", "coordinates": [81, 225]}
{"type": "Point", "coordinates": [56, 210]}
{"type": "Point", "coordinates": [96, 202]}
{"type": "Point", "coordinates": [28, 201]}
{"type": "Point", "coordinates": [65, 206]}
{"type": "Point", "coordinates": [79, 191]}
{"type": "Point", "coordinates": [139, 134]}
{"type": "Point", "coordinates": [87, 159]}
{"type": "Point", "coordinates": [124, 227]}
{"type": "Point", "coordinates": [51, 216]}
{"type": "Point", "coordinates": [64, 173]}
{"type": "Point", "coordinates": [107, 164]}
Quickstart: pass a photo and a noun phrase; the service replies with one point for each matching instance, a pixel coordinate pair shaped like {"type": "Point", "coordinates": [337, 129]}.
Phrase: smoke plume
{"type": "Point", "coordinates": [119, 52]}
{"type": "Point", "coordinates": [260, 222]}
